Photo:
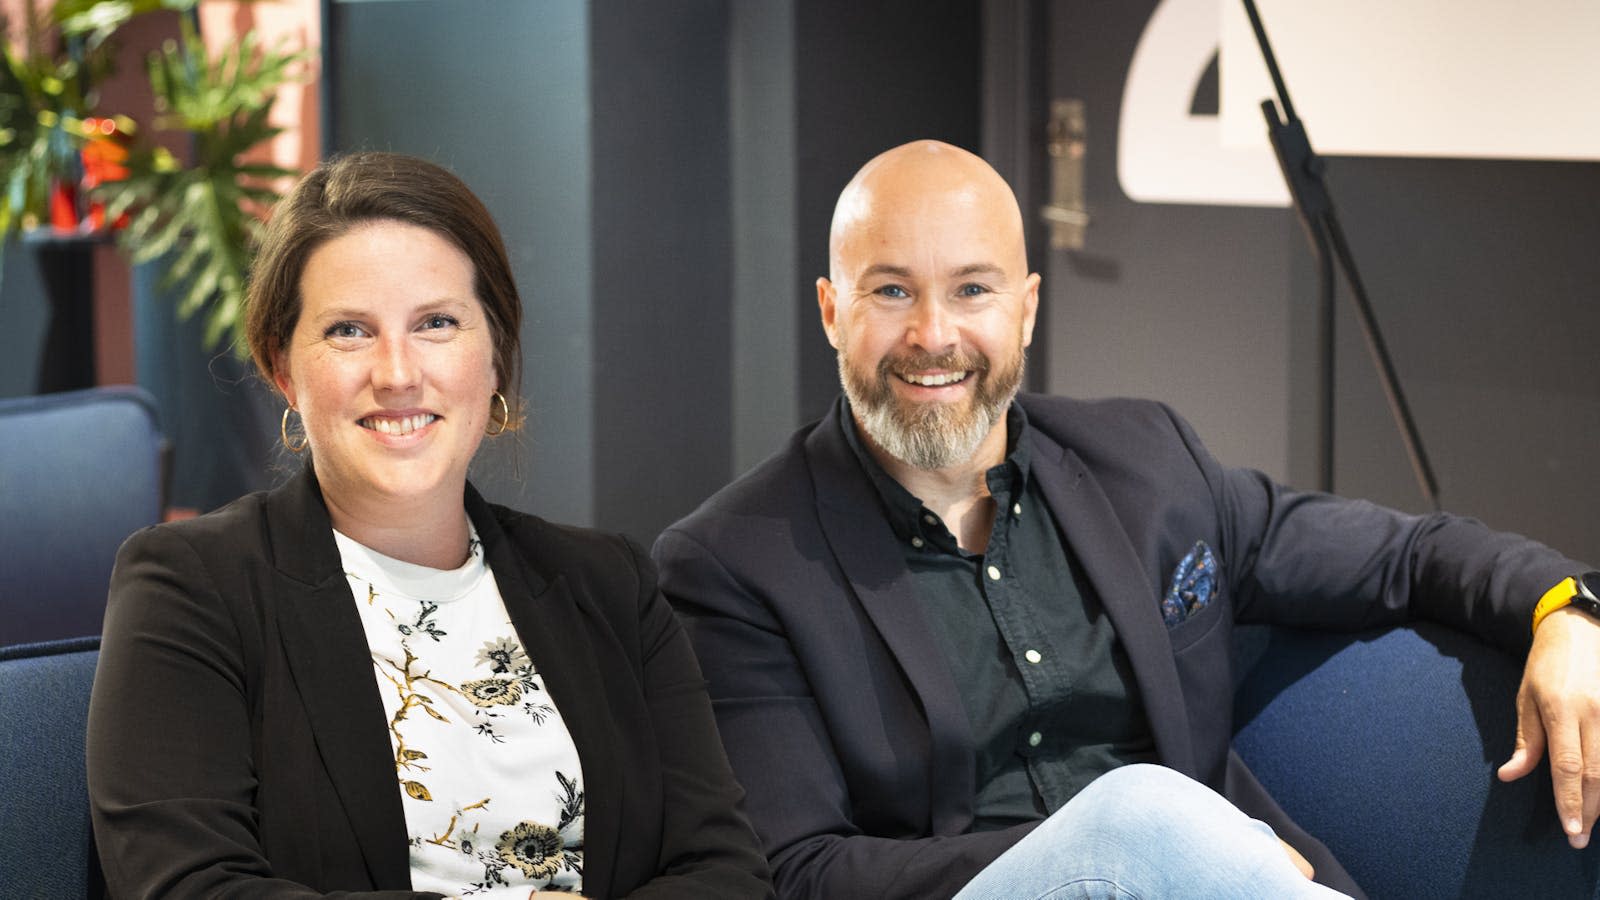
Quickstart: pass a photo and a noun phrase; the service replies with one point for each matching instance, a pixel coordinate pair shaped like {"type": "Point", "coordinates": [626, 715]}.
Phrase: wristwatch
{"type": "Point", "coordinates": [1582, 591]}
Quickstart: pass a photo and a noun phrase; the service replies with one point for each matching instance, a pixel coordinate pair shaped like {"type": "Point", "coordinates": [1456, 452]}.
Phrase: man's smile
{"type": "Point", "coordinates": [936, 379]}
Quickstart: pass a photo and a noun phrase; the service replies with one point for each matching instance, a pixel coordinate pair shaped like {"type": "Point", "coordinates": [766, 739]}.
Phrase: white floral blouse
{"type": "Point", "coordinates": [488, 774]}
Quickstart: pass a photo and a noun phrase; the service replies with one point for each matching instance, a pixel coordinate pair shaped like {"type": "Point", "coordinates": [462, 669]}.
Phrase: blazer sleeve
{"type": "Point", "coordinates": [707, 847]}
{"type": "Point", "coordinates": [171, 779]}
{"type": "Point", "coordinates": [1314, 560]}
{"type": "Point", "coordinates": [779, 746]}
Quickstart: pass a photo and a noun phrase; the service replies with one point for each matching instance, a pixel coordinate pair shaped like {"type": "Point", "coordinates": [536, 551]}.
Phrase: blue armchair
{"type": "Point", "coordinates": [79, 472]}
{"type": "Point", "coordinates": [1385, 745]}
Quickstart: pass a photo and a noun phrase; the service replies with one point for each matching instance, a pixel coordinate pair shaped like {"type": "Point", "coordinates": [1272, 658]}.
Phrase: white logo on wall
{"type": "Point", "coordinates": [1439, 78]}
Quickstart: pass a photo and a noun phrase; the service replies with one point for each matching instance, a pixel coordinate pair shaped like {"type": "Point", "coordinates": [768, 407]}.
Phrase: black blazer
{"type": "Point", "coordinates": [237, 742]}
{"type": "Point", "coordinates": [843, 721]}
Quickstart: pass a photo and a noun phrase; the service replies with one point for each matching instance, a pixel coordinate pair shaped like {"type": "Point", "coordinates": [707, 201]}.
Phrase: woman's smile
{"type": "Point", "coordinates": [398, 424]}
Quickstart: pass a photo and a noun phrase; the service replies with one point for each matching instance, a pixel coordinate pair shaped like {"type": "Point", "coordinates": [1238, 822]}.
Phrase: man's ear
{"type": "Point", "coordinates": [827, 304]}
{"type": "Point", "coordinates": [1030, 307]}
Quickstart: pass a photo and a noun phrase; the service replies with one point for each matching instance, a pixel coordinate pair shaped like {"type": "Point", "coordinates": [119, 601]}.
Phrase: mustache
{"type": "Point", "coordinates": [950, 360]}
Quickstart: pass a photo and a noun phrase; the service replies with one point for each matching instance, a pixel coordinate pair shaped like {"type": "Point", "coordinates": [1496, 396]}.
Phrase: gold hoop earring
{"type": "Point", "coordinates": [283, 432]}
{"type": "Point", "coordinates": [505, 416]}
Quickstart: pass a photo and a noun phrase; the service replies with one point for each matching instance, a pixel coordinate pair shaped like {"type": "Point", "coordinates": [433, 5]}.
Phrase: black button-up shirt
{"type": "Point", "coordinates": [1047, 687]}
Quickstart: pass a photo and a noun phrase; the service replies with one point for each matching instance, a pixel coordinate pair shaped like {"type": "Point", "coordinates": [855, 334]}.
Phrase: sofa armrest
{"type": "Point", "coordinates": [1384, 745]}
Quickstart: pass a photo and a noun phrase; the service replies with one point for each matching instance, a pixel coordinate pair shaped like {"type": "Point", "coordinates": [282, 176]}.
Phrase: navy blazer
{"type": "Point", "coordinates": [237, 740]}
{"type": "Point", "coordinates": [843, 721]}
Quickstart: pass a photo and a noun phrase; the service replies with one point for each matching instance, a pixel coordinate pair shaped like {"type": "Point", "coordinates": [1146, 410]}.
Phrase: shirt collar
{"type": "Point", "coordinates": [907, 515]}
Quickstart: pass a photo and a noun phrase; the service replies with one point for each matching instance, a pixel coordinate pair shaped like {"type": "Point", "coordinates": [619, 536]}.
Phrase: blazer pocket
{"type": "Point", "coordinates": [1201, 622]}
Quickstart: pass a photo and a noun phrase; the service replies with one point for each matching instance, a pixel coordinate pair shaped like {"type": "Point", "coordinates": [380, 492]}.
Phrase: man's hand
{"type": "Point", "coordinates": [1558, 710]}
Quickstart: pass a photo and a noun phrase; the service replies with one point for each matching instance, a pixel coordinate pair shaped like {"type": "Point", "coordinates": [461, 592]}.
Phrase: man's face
{"type": "Point", "coordinates": [931, 309]}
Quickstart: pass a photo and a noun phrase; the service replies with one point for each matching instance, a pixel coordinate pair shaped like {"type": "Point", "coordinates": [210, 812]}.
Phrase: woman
{"type": "Point", "coordinates": [370, 679]}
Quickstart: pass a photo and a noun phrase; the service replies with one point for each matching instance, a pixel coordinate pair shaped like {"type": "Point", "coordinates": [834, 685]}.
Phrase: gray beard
{"type": "Point", "coordinates": [930, 435]}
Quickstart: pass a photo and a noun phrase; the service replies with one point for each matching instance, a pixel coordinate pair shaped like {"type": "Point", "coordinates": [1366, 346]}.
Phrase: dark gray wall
{"type": "Point", "coordinates": [664, 174]}
{"type": "Point", "coordinates": [1484, 277]}
{"type": "Point", "coordinates": [767, 281]}
{"type": "Point", "coordinates": [1182, 303]}
{"type": "Point", "coordinates": [662, 259]}
{"type": "Point", "coordinates": [1015, 135]}
{"type": "Point", "coordinates": [871, 76]}
{"type": "Point", "coordinates": [498, 90]}
{"type": "Point", "coordinates": [1481, 273]}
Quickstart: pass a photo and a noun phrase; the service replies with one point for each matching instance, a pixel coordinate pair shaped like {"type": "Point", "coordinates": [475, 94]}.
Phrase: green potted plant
{"type": "Point", "coordinates": [198, 220]}
{"type": "Point", "coordinates": [191, 219]}
{"type": "Point", "coordinates": [206, 209]}
{"type": "Point", "coordinates": [44, 96]}
{"type": "Point", "coordinates": [187, 219]}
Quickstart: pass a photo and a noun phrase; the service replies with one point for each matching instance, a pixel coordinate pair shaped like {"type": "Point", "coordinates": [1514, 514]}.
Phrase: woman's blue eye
{"type": "Point", "coordinates": [343, 330]}
{"type": "Point", "coordinates": [439, 321]}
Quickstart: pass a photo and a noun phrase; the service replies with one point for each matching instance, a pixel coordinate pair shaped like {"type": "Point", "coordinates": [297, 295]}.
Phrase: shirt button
{"type": "Point", "coordinates": [1033, 656]}
{"type": "Point", "coordinates": [1016, 509]}
{"type": "Point", "coordinates": [930, 519]}
{"type": "Point", "coordinates": [1035, 739]}
{"type": "Point", "coordinates": [994, 573]}
{"type": "Point", "coordinates": [916, 542]}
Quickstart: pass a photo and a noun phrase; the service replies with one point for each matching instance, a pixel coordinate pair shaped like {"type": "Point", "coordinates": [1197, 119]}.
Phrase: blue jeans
{"type": "Point", "coordinates": [1142, 832]}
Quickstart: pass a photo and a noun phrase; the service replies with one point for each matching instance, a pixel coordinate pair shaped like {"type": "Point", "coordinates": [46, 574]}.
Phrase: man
{"type": "Point", "coordinates": [944, 610]}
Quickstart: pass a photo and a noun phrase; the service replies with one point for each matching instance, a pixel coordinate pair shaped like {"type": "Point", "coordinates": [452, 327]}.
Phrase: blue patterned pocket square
{"type": "Point", "coordinates": [1194, 583]}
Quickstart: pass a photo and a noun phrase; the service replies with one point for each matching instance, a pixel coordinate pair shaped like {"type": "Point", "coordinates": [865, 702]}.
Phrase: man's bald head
{"type": "Point", "coordinates": [924, 179]}
{"type": "Point", "coordinates": [929, 304]}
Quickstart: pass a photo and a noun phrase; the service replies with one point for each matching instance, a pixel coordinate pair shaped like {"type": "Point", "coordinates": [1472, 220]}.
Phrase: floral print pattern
{"type": "Point", "coordinates": [533, 848]}
{"type": "Point", "coordinates": [514, 678]}
{"type": "Point", "coordinates": [454, 679]}
{"type": "Point", "coordinates": [490, 692]}
{"type": "Point", "coordinates": [502, 656]}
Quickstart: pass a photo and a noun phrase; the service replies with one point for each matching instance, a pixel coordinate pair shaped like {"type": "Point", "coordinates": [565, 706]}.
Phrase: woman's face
{"type": "Point", "coordinates": [391, 365]}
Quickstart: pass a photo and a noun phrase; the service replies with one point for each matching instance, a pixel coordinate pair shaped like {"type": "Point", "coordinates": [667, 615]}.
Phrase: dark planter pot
{"type": "Point", "coordinates": [221, 418]}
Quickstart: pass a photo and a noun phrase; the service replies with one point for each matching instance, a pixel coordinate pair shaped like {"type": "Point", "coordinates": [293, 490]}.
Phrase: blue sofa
{"type": "Point", "coordinates": [46, 850]}
{"type": "Point", "coordinates": [1383, 744]}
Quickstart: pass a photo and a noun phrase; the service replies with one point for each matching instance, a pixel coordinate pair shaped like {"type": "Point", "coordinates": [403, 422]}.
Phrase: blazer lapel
{"type": "Point", "coordinates": [326, 647]}
{"type": "Point", "coordinates": [1101, 546]}
{"type": "Point", "coordinates": [849, 509]}
{"type": "Point", "coordinates": [550, 623]}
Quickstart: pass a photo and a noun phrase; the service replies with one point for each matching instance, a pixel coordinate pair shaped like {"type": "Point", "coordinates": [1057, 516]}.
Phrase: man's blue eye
{"type": "Point", "coordinates": [894, 291]}
{"type": "Point", "coordinates": [972, 290]}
